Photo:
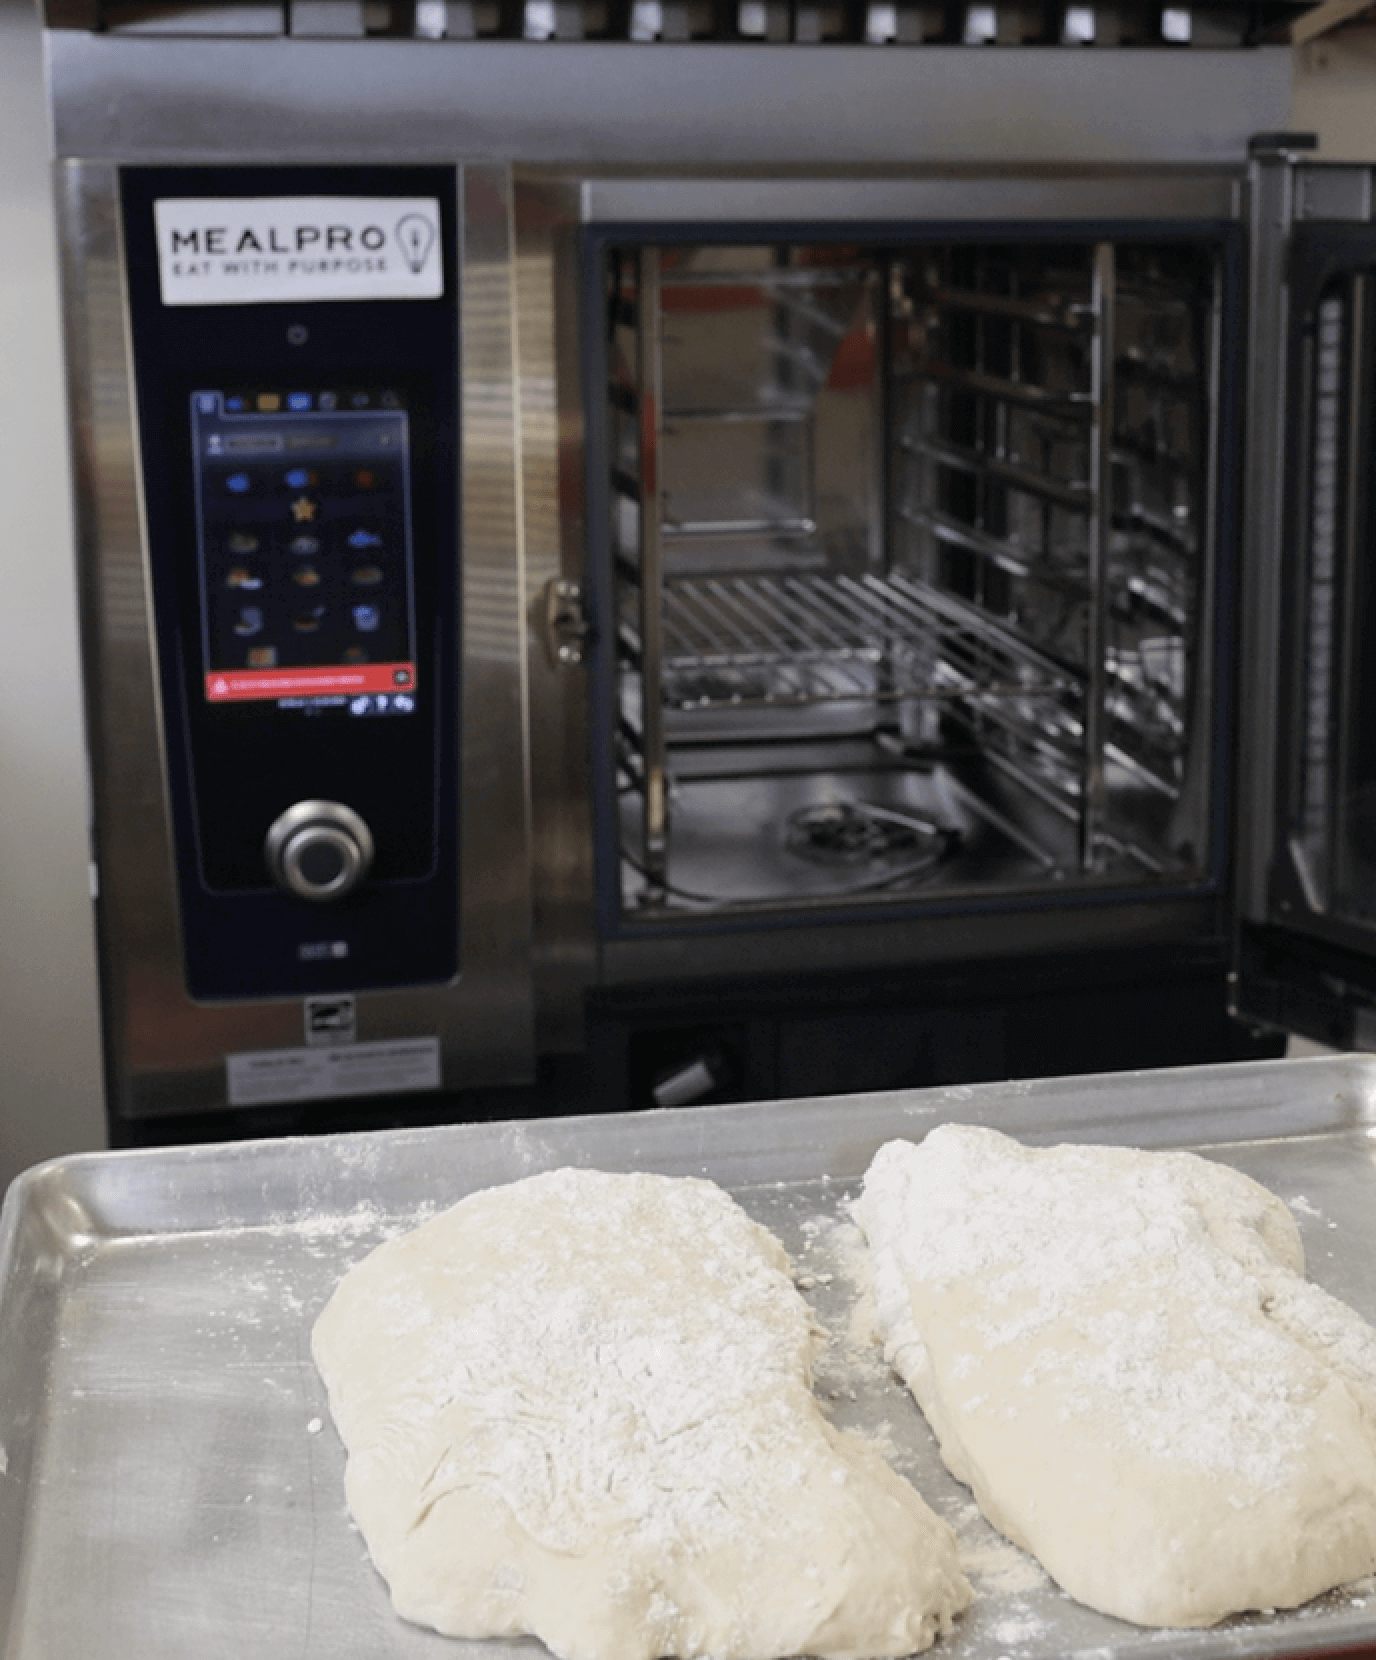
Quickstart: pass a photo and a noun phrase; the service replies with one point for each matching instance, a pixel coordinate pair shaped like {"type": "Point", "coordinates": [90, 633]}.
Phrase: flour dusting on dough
{"type": "Point", "coordinates": [1119, 1354]}
{"type": "Point", "coordinates": [579, 1407]}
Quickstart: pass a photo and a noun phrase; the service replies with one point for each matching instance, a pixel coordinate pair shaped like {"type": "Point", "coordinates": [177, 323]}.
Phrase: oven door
{"type": "Point", "coordinates": [1306, 935]}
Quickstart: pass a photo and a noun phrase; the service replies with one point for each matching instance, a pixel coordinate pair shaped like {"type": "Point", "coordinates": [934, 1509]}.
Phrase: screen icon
{"type": "Point", "coordinates": [298, 400]}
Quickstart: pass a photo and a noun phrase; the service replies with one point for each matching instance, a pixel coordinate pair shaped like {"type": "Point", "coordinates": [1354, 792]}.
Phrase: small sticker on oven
{"type": "Point", "coordinates": [331, 1020]}
{"type": "Point", "coordinates": [265, 250]}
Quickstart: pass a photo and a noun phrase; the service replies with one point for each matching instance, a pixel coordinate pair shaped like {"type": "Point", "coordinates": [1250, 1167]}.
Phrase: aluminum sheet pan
{"type": "Point", "coordinates": [170, 1482]}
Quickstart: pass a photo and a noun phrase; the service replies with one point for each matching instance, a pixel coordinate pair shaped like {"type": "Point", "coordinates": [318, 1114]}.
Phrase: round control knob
{"type": "Point", "coordinates": [319, 850]}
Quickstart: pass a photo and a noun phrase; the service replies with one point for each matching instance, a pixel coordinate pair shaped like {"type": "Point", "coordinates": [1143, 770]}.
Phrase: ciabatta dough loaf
{"type": "Point", "coordinates": [579, 1407]}
{"type": "Point", "coordinates": [1119, 1354]}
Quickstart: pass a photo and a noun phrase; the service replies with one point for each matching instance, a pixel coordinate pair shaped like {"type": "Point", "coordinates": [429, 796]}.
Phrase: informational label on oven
{"type": "Point", "coordinates": [396, 1067]}
{"type": "Point", "coordinates": [268, 249]}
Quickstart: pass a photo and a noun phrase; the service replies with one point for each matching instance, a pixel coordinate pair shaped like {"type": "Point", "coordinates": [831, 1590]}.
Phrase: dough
{"type": "Point", "coordinates": [579, 1407]}
{"type": "Point", "coordinates": [1119, 1354]}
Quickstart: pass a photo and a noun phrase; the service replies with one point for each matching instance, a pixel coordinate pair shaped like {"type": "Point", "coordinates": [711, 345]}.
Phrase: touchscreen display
{"type": "Point", "coordinates": [303, 527]}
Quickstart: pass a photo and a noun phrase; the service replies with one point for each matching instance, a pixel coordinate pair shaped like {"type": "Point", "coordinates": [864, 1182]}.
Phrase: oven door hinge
{"type": "Point", "coordinates": [566, 624]}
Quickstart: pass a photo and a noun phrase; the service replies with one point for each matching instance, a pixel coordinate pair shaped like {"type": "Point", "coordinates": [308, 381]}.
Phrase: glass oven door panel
{"type": "Point", "coordinates": [910, 549]}
{"type": "Point", "coordinates": [1324, 877]}
{"type": "Point", "coordinates": [1306, 948]}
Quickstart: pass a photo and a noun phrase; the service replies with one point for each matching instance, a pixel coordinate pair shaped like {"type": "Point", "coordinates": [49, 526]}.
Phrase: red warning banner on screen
{"type": "Point", "coordinates": [336, 680]}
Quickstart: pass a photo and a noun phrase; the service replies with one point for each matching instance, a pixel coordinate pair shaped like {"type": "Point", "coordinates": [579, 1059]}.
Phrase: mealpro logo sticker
{"type": "Point", "coordinates": [263, 250]}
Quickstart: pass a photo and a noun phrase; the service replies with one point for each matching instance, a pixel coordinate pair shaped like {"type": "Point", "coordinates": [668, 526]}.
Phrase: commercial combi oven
{"type": "Point", "coordinates": [671, 556]}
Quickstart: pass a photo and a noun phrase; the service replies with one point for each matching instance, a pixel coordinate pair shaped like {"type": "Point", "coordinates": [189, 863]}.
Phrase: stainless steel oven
{"type": "Point", "coordinates": [648, 554]}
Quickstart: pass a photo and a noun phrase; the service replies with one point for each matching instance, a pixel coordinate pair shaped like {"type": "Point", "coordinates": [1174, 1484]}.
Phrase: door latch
{"type": "Point", "coordinates": [567, 628]}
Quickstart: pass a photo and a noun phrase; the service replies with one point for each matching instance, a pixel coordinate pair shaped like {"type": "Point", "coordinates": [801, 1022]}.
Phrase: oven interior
{"type": "Point", "coordinates": [911, 569]}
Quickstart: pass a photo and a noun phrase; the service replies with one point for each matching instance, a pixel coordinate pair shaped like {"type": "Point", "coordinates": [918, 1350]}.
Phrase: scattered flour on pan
{"type": "Point", "coordinates": [364, 1220]}
{"type": "Point", "coordinates": [840, 1245]}
{"type": "Point", "coordinates": [1018, 1628]}
{"type": "Point", "coordinates": [994, 1566]}
{"type": "Point", "coordinates": [1306, 1207]}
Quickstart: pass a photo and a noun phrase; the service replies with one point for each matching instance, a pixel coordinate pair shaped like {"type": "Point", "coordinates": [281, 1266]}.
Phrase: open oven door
{"type": "Point", "coordinates": [1306, 754]}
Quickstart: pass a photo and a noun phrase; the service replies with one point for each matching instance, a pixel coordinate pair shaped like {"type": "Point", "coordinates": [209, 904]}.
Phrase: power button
{"type": "Point", "coordinates": [319, 850]}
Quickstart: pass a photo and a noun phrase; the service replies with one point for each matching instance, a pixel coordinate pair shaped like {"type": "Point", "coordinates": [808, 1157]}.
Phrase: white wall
{"type": "Point", "coordinates": [50, 1093]}
{"type": "Point", "coordinates": [1335, 94]}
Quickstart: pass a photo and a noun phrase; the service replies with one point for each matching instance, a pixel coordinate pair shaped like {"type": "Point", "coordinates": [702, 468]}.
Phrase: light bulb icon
{"type": "Point", "coordinates": [416, 237]}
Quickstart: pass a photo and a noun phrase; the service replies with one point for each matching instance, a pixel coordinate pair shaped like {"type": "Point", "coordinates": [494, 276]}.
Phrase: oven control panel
{"type": "Point", "coordinates": [295, 346]}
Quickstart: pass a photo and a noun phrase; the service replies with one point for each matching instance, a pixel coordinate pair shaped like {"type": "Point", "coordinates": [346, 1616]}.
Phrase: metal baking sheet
{"type": "Point", "coordinates": [171, 1484]}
